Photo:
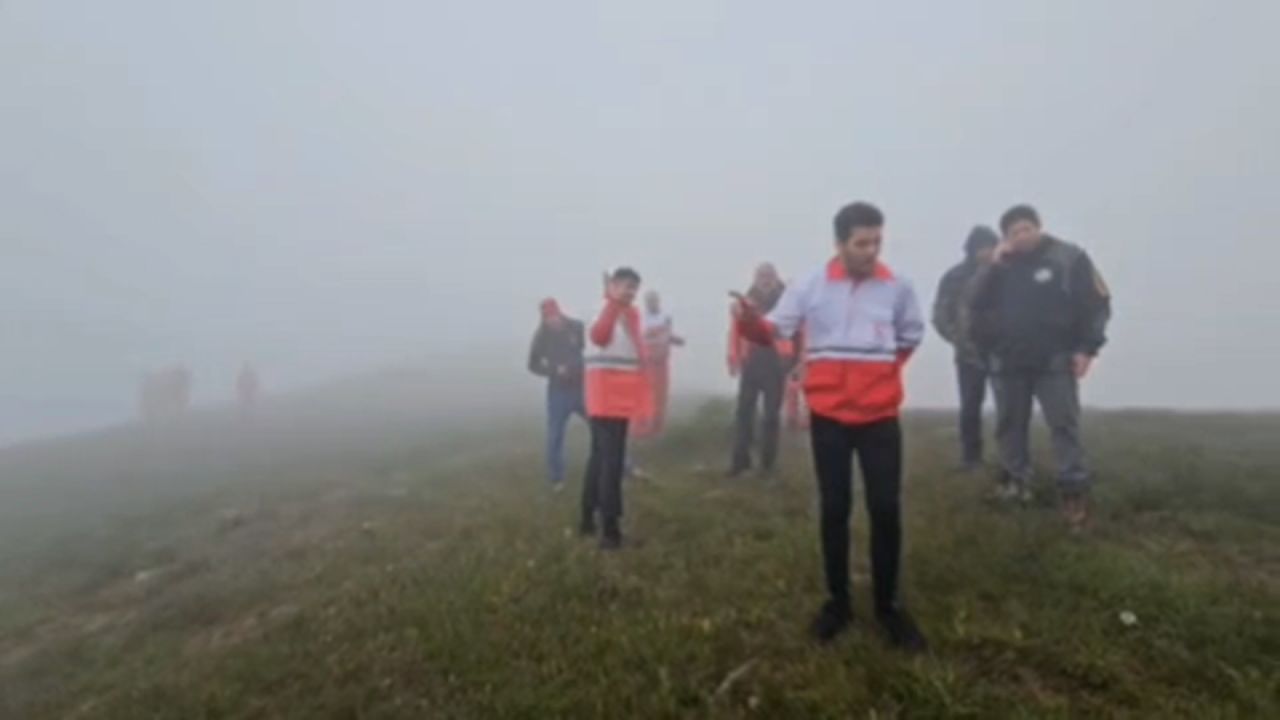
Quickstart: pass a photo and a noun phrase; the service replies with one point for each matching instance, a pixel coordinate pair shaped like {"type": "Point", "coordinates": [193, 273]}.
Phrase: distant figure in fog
{"type": "Point", "coordinates": [556, 354]}
{"type": "Point", "coordinates": [1039, 311]}
{"type": "Point", "coordinates": [248, 385]}
{"type": "Point", "coordinates": [659, 338]}
{"type": "Point", "coordinates": [951, 320]}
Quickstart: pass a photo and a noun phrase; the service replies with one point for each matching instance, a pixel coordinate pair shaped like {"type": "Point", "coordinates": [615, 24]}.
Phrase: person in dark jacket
{"type": "Point", "coordinates": [951, 320]}
{"type": "Point", "coordinates": [1039, 312]}
{"type": "Point", "coordinates": [556, 354]}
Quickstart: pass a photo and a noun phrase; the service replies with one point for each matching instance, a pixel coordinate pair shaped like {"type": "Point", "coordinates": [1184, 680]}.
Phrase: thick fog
{"type": "Point", "coordinates": [331, 187]}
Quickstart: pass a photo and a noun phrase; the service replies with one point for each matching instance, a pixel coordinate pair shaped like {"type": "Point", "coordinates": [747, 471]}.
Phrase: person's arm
{"type": "Point", "coordinates": [672, 337]}
{"type": "Point", "coordinates": [946, 307]}
{"type": "Point", "coordinates": [602, 330]}
{"type": "Point", "coordinates": [538, 364]}
{"type": "Point", "coordinates": [1091, 310]}
{"type": "Point", "coordinates": [978, 296]}
{"type": "Point", "coordinates": [579, 331]}
{"type": "Point", "coordinates": [787, 317]}
{"type": "Point", "coordinates": [908, 322]}
{"type": "Point", "coordinates": [734, 354]}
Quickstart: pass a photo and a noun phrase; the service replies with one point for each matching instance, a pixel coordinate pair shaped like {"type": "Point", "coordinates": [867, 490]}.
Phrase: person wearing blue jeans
{"type": "Point", "coordinates": [556, 354]}
{"type": "Point", "coordinates": [563, 402]}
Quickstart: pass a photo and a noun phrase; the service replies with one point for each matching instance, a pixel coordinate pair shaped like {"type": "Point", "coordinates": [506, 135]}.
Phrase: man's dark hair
{"type": "Point", "coordinates": [626, 273]}
{"type": "Point", "coordinates": [854, 216]}
{"type": "Point", "coordinates": [1016, 214]}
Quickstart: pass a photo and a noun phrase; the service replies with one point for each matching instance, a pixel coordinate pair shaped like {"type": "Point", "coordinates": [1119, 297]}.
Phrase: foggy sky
{"type": "Point", "coordinates": [326, 187]}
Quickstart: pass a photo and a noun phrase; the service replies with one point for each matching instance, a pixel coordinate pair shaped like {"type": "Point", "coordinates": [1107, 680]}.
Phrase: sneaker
{"type": "Point", "coordinates": [833, 619]}
{"type": "Point", "coordinates": [902, 631]}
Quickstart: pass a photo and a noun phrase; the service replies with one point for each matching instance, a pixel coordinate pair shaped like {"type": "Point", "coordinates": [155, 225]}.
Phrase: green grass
{"type": "Point", "coordinates": [441, 580]}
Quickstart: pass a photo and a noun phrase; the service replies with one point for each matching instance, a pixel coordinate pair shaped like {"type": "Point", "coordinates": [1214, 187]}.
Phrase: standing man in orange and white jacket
{"type": "Point", "coordinates": [861, 324]}
{"type": "Point", "coordinates": [616, 392]}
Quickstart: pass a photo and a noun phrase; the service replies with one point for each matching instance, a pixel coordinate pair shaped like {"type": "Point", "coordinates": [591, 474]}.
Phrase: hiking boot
{"type": "Point", "coordinates": [611, 538]}
{"type": "Point", "coordinates": [1075, 510]}
{"type": "Point", "coordinates": [901, 631]}
{"type": "Point", "coordinates": [833, 619]}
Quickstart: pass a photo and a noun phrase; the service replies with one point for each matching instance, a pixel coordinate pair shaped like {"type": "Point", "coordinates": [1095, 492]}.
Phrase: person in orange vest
{"type": "Point", "coordinates": [616, 392]}
{"type": "Point", "coordinates": [659, 338]}
{"type": "Point", "coordinates": [862, 322]}
{"type": "Point", "coordinates": [761, 373]}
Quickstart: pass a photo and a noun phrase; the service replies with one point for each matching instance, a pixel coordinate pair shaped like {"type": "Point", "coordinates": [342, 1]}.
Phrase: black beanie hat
{"type": "Point", "coordinates": [981, 237]}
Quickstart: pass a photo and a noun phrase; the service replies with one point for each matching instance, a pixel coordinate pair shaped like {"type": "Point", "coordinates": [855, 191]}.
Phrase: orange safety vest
{"type": "Point", "coordinates": [616, 386]}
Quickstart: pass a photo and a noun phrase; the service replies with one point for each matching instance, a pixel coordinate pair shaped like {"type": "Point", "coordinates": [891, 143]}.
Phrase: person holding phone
{"type": "Point", "coordinates": [1039, 312]}
{"type": "Point", "coordinates": [862, 322]}
{"type": "Point", "coordinates": [616, 393]}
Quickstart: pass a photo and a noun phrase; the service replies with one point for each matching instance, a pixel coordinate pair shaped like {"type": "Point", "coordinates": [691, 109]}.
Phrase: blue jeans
{"type": "Point", "coordinates": [563, 402]}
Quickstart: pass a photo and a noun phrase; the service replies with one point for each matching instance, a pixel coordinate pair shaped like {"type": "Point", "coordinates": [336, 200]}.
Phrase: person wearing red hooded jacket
{"type": "Point", "coordinates": [616, 392]}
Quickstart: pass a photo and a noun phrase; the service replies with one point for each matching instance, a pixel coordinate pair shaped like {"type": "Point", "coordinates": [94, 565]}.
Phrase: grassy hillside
{"type": "Point", "coordinates": [411, 577]}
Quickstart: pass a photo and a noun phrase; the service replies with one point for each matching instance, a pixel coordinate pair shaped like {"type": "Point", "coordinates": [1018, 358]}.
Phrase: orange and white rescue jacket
{"type": "Point", "coordinates": [858, 336]}
{"type": "Point", "coordinates": [616, 386]}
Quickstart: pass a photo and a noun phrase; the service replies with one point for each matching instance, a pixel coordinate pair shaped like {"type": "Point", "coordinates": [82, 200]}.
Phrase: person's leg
{"type": "Point", "coordinates": [771, 387]}
{"type": "Point", "coordinates": [745, 421]}
{"type": "Point", "coordinates": [1013, 391]}
{"type": "Point", "coordinates": [833, 464]}
{"type": "Point", "coordinates": [591, 478]}
{"type": "Point", "coordinates": [559, 408]}
{"type": "Point", "coordinates": [661, 395]}
{"type": "Point", "coordinates": [1059, 396]}
{"type": "Point", "coordinates": [879, 450]}
{"type": "Point", "coordinates": [613, 462]}
{"type": "Point", "coordinates": [972, 380]}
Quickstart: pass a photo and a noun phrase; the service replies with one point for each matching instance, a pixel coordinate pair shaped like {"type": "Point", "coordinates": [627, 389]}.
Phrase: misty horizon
{"type": "Point", "coordinates": [329, 192]}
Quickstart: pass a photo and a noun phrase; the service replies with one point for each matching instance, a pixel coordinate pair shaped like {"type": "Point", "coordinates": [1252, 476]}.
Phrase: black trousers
{"type": "Point", "coordinates": [602, 485]}
{"type": "Point", "coordinates": [878, 447]}
{"type": "Point", "coordinates": [763, 378]}
{"type": "Point", "coordinates": [972, 380]}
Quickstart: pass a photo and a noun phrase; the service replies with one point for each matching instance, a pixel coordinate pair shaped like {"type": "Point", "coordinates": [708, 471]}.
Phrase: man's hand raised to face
{"type": "Point", "coordinates": [1080, 364]}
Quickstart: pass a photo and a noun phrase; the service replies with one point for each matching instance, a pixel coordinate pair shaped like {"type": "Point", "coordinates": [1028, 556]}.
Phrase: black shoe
{"type": "Point", "coordinates": [587, 528]}
{"type": "Point", "coordinates": [611, 538]}
{"type": "Point", "coordinates": [902, 631]}
{"type": "Point", "coordinates": [833, 619]}
{"type": "Point", "coordinates": [737, 472]}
